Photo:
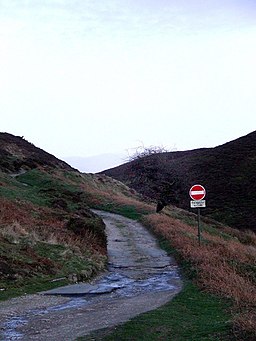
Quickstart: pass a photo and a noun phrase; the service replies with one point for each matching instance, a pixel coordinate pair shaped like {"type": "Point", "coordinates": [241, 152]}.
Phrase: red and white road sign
{"type": "Point", "coordinates": [197, 192]}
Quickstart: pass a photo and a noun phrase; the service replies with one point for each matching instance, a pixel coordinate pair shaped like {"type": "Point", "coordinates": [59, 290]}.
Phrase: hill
{"type": "Point", "coordinates": [227, 172]}
{"type": "Point", "coordinates": [47, 230]}
{"type": "Point", "coordinates": [48, 234]}
{"type": "Point", "coordinates": [16, 153]}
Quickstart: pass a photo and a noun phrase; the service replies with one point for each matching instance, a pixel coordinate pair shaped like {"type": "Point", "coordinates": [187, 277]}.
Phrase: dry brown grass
{"type": "Point", "coordinates": [21, 219]}
{"type": "Point", "coordinates": [222, 265]}
{"type": "Point", "coordinates": [245, 321]}
{"type": "Point", "coordinates": [15, 211]}
{"type": "Point", "coordinates": [218, 264]}
{"type": "Point", "coordinates": [100, 193]}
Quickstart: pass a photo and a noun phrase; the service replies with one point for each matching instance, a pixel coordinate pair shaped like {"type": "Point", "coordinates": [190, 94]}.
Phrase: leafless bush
{"type": "Point", "coordinates": [141, 151]}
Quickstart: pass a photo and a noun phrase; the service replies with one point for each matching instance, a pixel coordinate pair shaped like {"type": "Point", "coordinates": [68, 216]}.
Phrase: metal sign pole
{"type": "Point", "coordinates": [197, 194]}
{"type": "Point", "coordinates": [198, 224]}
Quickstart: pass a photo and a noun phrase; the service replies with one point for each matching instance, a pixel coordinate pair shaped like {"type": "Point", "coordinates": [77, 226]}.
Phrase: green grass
{"type": "Point", "coordinates": [67, 261]}
{"type": "Point", "coordinates": [19, 190]}
{"type": "Point", "coordinates": [14, 190]}
{"type": "Point", "coordinates": [191, 315]}
{"type": "Point", "coordinates": [43, 263]}
{"type": "Point", "coordinates": [29, 265]}
{"type": "Point", "coordinates": [31, 286]}
{"type": "Point", "coordinates": [127, 211]}
{"type": "Point", "coordinates": [43, 189]}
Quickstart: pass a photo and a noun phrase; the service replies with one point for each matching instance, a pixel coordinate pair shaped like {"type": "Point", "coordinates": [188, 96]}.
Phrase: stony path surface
{"type": "Point", "coordinates": [141, 277]}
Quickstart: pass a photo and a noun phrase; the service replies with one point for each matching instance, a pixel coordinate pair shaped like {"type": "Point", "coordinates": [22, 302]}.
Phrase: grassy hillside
{"type": "Point", "coordinates": [48, 232]}
{"type": "Point", "coordinates": [227, 172]}
{"type": "Point", "coordinates": [223, 266]}
{"type": "Point", "coordinates": [48, 235]}
{"type": "Point", "coordinates": [16, 153]}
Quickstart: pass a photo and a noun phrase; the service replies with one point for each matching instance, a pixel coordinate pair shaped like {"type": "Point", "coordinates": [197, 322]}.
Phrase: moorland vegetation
{"type": "Point", "coordinates": [49, 236]}
{"type": "Point", "coordinates": [227, 172]}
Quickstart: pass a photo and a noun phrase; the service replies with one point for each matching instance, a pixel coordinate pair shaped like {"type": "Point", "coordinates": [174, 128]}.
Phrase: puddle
{"type": "Point", "coordinates": [10, 328]}
{"type": "Point", "coordinates": [125, 278]}
{"type": "Point", "coordinates": [126, 287]}
{"type": "Point", "coordinates": [113, 285]}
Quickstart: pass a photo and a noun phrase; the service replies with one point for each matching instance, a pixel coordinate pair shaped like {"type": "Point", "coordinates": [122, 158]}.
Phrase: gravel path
{"type": "Point", "coordinates": [141, 277]}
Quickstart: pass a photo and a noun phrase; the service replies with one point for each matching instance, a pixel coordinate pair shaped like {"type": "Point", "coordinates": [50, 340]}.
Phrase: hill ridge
{"type": "Point", "coordinates": [226, 171]}
{"type": "Point", "coordinates": [17, 153]}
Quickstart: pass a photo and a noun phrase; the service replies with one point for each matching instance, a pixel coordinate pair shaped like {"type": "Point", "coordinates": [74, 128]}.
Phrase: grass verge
{"type": "Point", "coordinates": [42, 204]}
{"type": "Point", "coordinates": [218, 299]}
{"type": "Point", "coordinates": [191, 315]}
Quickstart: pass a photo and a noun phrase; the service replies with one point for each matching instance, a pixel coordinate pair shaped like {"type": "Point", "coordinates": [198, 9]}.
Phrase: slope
{"type": "Point", "coordinates": [16, 153]}
{"type": "Point", "coordinates": [227, 172]}
{"type": "Point", "coordinates": [48, 233]}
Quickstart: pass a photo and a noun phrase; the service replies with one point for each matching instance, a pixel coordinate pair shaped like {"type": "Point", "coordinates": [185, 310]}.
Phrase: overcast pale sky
{"type": "Point", "coordinates": [84, 77]}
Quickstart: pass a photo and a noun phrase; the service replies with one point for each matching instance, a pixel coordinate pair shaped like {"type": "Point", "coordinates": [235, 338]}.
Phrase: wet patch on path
{"type": "Point", "coordinates": [140, 277]}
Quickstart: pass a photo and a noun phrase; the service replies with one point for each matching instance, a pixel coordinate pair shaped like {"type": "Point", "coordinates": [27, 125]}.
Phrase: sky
{"type": "Point", "coordinates": [80, 78]}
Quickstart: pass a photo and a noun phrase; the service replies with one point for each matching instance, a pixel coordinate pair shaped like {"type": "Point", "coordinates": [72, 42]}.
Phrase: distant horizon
{"type": "Point", "coordinates": [96, 164]}
{"type": "Point", "coordinates": [103, 161]}
{"type": "Point", "coordinates": [91, 77]}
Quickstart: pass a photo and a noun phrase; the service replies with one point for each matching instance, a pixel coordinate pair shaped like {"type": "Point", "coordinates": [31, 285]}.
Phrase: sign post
{"type": "Point", "coordinates": [197, 194]}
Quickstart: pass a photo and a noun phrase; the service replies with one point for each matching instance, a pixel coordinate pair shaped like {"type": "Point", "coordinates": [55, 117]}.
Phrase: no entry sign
{"type": "Point", "coordinates": [197, 192]}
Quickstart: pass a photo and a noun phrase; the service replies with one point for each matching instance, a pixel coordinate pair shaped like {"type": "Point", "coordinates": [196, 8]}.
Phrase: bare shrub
{"type": "Point", "coordinates": [142, 151]}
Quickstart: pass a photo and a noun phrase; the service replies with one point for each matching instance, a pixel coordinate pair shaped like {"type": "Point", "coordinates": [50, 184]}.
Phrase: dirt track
{"type": "Point", "coordinates": [141, 277]}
